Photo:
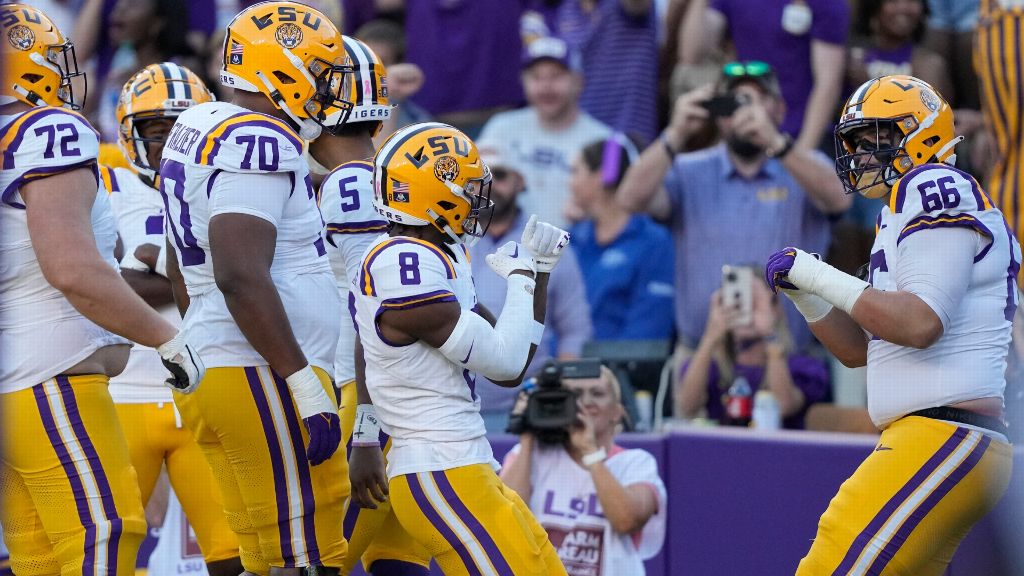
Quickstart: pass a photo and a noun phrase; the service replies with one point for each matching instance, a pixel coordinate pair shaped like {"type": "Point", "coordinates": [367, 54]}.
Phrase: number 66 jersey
{"type": "Point", "coordinates": [969, 359]}
{"type": "Point", "coordinates": [220, 158]}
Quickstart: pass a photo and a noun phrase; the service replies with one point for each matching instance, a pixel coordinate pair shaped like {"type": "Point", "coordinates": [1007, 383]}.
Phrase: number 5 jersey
{"type": "Point", "coordinates": [221, 158]}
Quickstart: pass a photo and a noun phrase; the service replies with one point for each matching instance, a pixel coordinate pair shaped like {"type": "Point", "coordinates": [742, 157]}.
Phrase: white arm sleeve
{"type": "Point", "coordinates": [935, 265]}
{"type": "Point", "coordinates": [262, 194]}
{"type": "Point", "coordinates": [501, 352]}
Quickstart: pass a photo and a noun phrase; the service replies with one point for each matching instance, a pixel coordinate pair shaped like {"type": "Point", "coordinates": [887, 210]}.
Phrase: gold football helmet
{"type": "Point", "coordinates": [38, 60]}
{"type": "Point", "coordinates": [369, 95]}
{"type": "Point", "coordinates": [294, 55]}
{"type": "Point", "coordinates": [431, 174]}
{"type": "Point", "coordinates": [904, 111]}
{"type": "Point", "coordinates": [157, 91]}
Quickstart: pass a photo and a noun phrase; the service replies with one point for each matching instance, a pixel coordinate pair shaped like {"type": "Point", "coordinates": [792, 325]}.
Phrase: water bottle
{"type": "Point", "coordinates": [644, 410]}
{"type": "Point", "coordinates": [766, 411]}
{"type": "Point", "coordinates": [739, 403]}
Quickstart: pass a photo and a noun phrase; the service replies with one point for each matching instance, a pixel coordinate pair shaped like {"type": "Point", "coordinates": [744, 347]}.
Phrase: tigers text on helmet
{"type": "Point", "coordinates": [915, 118]}
{"type": "Point", "coordinates": [38, 60]}
{"type": "Point", "coordinates": [369, 96]}
{"type": "Point", "coordinates": [294, 55]}
{"type": "Point", "coordinates": [431, 174]}
{"type": "Point", "coordinates": [158, 91]}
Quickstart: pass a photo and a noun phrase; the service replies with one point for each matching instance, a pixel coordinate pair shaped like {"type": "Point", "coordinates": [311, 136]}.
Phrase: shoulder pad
{"type": "Point", "coordinates": [405, 267]}
{"type": "Point", "coordinates": [251, 142]}
{"type": "Point", "coordinates": [938, 196]}
{"type": "Point", "coordinates": [346, 201]}
{"type": "Point", "coordinates": [46, 141]}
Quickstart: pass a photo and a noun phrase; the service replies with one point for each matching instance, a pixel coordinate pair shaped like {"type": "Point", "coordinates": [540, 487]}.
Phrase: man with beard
{"type": "Point", "coordinates": [730, 203]}
{"type": "Point", "coordinates": [567, 326]}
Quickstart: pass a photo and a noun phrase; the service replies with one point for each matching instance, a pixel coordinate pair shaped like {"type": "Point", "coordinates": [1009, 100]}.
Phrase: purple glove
{"type": "Point", "coordinates": [778, 267]}
{"type": "Point", "coordinates": [324, 436]}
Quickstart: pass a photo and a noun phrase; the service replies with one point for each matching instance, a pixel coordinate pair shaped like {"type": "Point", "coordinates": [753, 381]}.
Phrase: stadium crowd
{"type": "Point", "coordinates": [677, 140]}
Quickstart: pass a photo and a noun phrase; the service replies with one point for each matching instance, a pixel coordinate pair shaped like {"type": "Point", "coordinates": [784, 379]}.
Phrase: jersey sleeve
{"type": "Point", "coordinates": [43, 142]}
{"type": "Point", "coordinates": [352, 224]}
{"type": "Point", "coordinates": [937, 196]}
{"type": "Point", "coordinates": [253, 143]}
{"type": "Point", "coordinates": [638, 467]}
{"type": "Point", "coordinates": [404, 273]}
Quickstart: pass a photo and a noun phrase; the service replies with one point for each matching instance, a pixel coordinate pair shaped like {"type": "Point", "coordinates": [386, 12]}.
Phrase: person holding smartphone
{"type": "Point", "coordinates": [751, 343]}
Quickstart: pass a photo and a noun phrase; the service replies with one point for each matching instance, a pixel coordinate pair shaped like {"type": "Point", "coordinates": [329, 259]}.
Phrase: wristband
{"type": "Point", "coordinates": [161, 262]}
{"type": "Point", "coordinates": [834, 286]}
{"type": "Point", "coordinates": [812, 307]}
{"type": "Point", "coordinates": [787, 146]}
{"type": "Point", "coordinates": [594, 457]}
{"type": "Point", "coordinates": [668, 146]}
{"type": "Point", "coordinates": [538, 332]}
{"type": "Point", "coordinates": [310, 396]}
{"type": "Point", "coordinates": [366, 431]}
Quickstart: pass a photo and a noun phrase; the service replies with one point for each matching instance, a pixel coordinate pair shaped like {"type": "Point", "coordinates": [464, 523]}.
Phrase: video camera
{"type": "Point", "coordinates": [551, 407]}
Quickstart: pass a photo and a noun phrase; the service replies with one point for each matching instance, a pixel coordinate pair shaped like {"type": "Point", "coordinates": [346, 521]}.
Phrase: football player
{"type": "Point", "coordinates": [249, 259]}
{"type": "Point", "coordinates": [424, 338]}
{"type": "Point", "coordinates": [69, 500]}
{"type": "Point", "coordinates": [148, 106]}
{"type": "Point", "coordinates": [346, 201]}
{"type": "Point", "coordinates": [931, 323]}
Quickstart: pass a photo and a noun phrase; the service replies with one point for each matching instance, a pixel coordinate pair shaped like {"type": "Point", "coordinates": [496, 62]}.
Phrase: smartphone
{"type": "Point", "coordinates": [722, 105]}
{"type": "Point", "coordinates": [737, 286]}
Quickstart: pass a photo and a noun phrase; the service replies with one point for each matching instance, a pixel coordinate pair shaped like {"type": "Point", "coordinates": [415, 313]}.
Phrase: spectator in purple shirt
{"type": "Point", "coordinates": [567, 326]}
{"type": "Point", "coordinates": [761, 352]}
{"type": "Point", "coordinates": [803, 40]}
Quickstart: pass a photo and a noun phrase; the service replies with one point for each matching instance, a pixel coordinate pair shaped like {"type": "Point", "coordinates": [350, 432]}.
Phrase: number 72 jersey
{"type": "Point", "coordinates": [969, 359]}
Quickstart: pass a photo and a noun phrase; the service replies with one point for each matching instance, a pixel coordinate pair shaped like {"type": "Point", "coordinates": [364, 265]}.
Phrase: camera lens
{"type": "Point", "coordinates": [731, 276]}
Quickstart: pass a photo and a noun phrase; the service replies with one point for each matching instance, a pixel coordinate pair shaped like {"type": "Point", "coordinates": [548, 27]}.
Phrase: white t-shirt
{"type": "Point", "coordinates": [177, 549]}
{"type": "Point", "coordinates": [564, 500]}
{"type": "Point", "coordinates": [543, 158]}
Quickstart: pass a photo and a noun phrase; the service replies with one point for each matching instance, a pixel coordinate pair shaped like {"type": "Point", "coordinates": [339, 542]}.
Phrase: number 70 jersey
{"type": "Point", "coordinates": [969, 359]}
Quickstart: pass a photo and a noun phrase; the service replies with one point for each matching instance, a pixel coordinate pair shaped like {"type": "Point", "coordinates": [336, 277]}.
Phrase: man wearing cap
{"type": "Point", "coordinates": [729, 204]}
{"type": "Point", "coordinates": [568, 318]}
{"type": "Point", "coordinates": [544, 137]}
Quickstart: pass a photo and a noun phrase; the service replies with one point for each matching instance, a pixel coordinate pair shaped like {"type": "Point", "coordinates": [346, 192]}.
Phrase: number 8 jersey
{"type": "Point", "coordinates": [221, 158]}
{"type": "Point", "coordinates": [969, 359]}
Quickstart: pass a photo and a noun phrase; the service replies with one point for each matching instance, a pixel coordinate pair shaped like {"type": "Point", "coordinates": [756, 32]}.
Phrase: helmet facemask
{"type": "Point", "coordinates": [328, 107]}
{"type": "Point", "coordinates": [477, 193]}
{"type": "Point", "coordinates": [61, 60]}
{"type": "Point", "coordinates": [870, 165]}
{"type": "Point", "coordinates": [133, 127]}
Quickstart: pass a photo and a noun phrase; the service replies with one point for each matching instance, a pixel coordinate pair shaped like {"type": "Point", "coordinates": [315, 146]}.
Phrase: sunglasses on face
{"type": "Point", "coordinates": [754, 68]}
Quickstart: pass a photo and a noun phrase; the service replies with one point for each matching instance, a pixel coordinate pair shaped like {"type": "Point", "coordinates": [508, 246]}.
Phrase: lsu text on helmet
{"type": "Point", "coordinates": [369, 96]}
{"type": "Point", "coordinates": [158, 91]}
{"type": "Point", "coordinates": [294, 55]}
{"type": "Point", "coordinates": [917, 120]}
{"type": "Point", "coordinates": [38, 60]}
{"type": "Point", "coordinates": [431, 174]}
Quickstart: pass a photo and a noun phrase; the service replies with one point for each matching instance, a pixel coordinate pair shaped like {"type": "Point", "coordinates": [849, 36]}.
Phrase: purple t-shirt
{"type": "Point", "coordinates": [759, 34]}
{"type": "Point", "coordinates": [809, 374]}
{"type": "Point", "coordinates": [620, 64]}
{"type": "Point", "coordinates": [469, 51]}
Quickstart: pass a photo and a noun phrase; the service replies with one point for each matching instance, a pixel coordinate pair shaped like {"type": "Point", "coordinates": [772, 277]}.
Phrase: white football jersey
{"type": "Point", "coordinates": [140, 220]}
{"type": "Point", "coordinates": [564, 500]}
{"type": "Point", "coordinates": [969, 360]}
{"type": "Point", "coordinates": [425, 402]}
{"type": "Point", "coordinates": [210, 141]}
{"type": "Point", "coordinates": [41, 334]}
{"type": "Point", "coordinates": [346, 201]}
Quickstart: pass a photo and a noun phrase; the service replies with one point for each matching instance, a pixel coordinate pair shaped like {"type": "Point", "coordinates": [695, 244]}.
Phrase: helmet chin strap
{"type": "Point", "coordinates": [308, 129]}
{"type": "Point", "coordinates": [949, 145]}
{"type": "Point", "coordinates": [446, 228]}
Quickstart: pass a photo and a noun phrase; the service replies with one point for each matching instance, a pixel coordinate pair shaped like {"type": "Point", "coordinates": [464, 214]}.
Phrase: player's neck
{"type": "Point", "coordinates": [333, 151]}
{"type": "Point", "coordinates": [14, 108]}
{"type": "Point", "coordinates": [257, 102]}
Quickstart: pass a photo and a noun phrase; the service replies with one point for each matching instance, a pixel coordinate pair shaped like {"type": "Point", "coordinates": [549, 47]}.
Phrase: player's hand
{"type": "Point", "coordinates": [319, 414]}
{"type": "Point", "coordinates": [366, 474]}
{"type": "Point", "coordinates": [148, 254]}
{"type": "Point", "coordinates": [511, 258]}
{"type": "Point", "coordinates": [181, 359]}
{"type": "Point", "coordinates": [545, 242]}
{"type": "Point", "coordinates": [776, 271]}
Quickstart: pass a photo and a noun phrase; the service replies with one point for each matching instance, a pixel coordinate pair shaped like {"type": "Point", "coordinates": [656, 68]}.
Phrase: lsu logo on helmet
{"type": "Point", "coordinates": [288, 35]}
{"type": "Point", "coordinates": [39, 62]}
{"type": "Point", "coordinates": [431, 174]}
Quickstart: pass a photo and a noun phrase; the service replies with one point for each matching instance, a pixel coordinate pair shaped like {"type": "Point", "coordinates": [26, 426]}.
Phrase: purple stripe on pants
{"type": "Point", "coordinates": [96, 466]}
{"type": "Point", "coordinates": [66, 462]}
{"type": "Point", "coordinates": [302, 467]}
{"type": "Point", "coordinates": [351, 517]}
{"type": "Point", "coordinates": [439, 524]}
{"type": "Point", "coordinates": [883, 515]}
{"type": "Point", "coordinates": [280, 483]}
{"type": "Point", "coordinates": [915, 518]}
{"type": "Point", "coordinates": [481, 534]}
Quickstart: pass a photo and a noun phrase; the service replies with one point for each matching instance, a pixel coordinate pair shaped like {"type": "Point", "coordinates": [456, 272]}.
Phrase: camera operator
{"type": "Point", "coordinates": [602, 506]}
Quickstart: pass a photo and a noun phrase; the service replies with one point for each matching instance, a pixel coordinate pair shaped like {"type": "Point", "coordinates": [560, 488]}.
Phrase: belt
{"type": "Point", "coordinates": [964, 417]}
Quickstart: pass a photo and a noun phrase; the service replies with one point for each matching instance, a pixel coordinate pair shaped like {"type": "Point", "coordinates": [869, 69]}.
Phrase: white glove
{"type": "Point", "coordinates": [509, 258]}
{"type": "Point", "coordinates": [130, 262]}
{"type": "Point", "coordinates": [545, 242]}
{"type": "Point", "coordinates": [186, 367]}
{"type": "Point", "coordinates": [811, 306]}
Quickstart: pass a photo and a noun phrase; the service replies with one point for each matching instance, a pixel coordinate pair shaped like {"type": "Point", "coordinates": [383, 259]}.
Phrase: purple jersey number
{"type": "Point", "coordinates": [172, 182]}
{"type": "Point", "coordinates": [409, 268]}
{"type": "Point", "coordinates": [68, 136]}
